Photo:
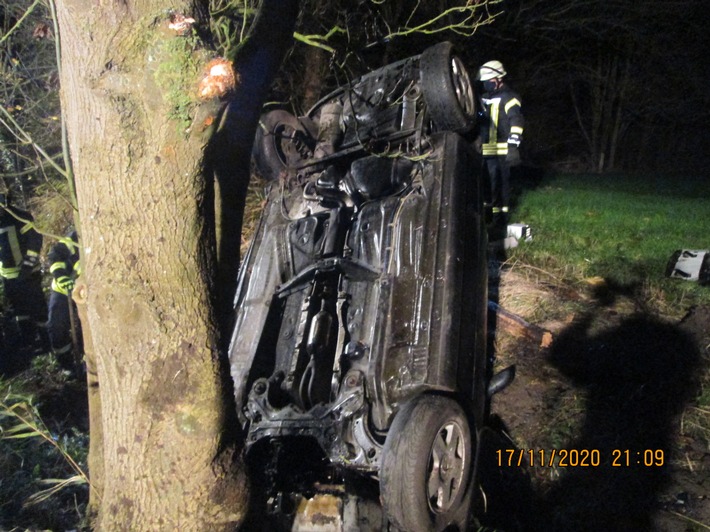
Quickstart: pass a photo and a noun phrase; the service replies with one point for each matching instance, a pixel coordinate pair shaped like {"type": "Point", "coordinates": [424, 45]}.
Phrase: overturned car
{"type": "Point", "coordinates": [361, 305]}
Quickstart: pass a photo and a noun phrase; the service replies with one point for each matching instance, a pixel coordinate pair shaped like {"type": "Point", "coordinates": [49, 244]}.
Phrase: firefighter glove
{"type": "Point", "coordinates": [65, 283]}
{"type": "Point", "coordinates": [513, 157]}
{"type": "Point", "coordinates": [30, 262]}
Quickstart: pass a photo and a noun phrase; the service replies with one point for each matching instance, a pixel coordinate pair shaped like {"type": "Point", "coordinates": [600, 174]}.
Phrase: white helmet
{"type": "Point", "coordinates": [490, 70]}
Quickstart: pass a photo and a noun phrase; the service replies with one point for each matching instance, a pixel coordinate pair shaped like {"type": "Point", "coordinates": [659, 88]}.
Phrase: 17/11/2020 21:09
{"type": "Point", "coordinates": [579, 457]}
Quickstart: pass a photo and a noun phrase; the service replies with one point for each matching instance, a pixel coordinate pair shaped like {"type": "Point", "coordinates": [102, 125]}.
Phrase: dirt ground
{"type": "Point", "coordinates": [616, 397]}
{"type": "Point", "coordinates": [616, 391]}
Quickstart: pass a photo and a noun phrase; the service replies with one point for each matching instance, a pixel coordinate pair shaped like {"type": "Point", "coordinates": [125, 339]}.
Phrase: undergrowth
{"type": "Point", "coordinates": [43, 482]}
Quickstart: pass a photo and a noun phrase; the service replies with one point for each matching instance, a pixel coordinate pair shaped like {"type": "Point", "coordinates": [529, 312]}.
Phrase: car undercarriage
{"type": "Point", "coordinates": [359, 350]}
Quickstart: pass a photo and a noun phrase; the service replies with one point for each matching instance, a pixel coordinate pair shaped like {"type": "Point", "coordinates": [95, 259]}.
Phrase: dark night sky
{"type": "Point", "coordinates": [658, 80]}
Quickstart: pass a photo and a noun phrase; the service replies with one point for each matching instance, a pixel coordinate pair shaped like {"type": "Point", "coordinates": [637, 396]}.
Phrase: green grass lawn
{"type": "Point", "coordinates": [623, 229]}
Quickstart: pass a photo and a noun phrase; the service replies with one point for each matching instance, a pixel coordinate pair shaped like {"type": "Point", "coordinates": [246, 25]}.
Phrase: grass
{"type": "Point", "coordinates": [622, 229]}
{"type": "Point", "coordinates": [42, 452]}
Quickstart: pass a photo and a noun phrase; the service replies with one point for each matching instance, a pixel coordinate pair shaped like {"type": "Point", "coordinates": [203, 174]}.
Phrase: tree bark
{"type": "Point", "coordinates": [96, 442]}
{"type": "Point", "coordinates": [144, 173]}
{"type": "Point", "coordinates": [316, 68]}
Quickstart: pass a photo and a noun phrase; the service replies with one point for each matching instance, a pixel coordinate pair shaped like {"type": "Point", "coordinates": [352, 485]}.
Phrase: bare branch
{"type": "Point", "coordinates": [15, 129]}
{"type": "Point", "coordinates": [26, 14]}
{"type": "Point", "coordinates": [318, 40]}
{"type": "Point", "coordinates": [468, 18]}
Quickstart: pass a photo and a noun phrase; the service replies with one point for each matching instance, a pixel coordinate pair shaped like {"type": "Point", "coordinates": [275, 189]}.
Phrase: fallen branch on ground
{"type": "Point", "coordinates": [517, 326]}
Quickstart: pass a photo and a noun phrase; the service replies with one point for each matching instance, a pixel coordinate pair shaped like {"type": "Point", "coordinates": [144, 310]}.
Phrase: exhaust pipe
{"type": "Point", "coordinates": [501, 380]}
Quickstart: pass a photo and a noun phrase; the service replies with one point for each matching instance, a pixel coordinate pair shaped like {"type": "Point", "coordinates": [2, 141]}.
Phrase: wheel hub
{"type": "Point", "coordinates": [448, 464]}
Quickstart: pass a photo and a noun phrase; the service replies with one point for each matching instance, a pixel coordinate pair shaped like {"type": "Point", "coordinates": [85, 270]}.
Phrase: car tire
{"type": "Point", "coordinates": [281, 142]}
{"type": "Point", "coordinates": [447, 88]}
{"type": "Point", "coordinates": [426, 465]}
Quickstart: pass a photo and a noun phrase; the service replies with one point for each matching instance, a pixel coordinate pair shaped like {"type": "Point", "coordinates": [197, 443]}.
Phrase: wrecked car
{"type": "Point", "coordinates": [360, 333]}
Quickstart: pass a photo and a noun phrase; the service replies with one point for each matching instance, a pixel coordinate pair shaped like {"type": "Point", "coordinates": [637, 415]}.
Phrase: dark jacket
{"type": "Point", "coordinates": [502, 118]}
{"type": "Point", "coordinates": [19, 242]}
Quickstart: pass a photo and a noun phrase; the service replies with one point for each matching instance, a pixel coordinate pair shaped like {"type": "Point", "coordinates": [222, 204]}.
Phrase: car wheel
{"type": "Point", "coordinates": [426, 465]}
{"type": "Point", "coordinates": [281, 142]}
{"type": "Point", "coordinates": [447, 89]}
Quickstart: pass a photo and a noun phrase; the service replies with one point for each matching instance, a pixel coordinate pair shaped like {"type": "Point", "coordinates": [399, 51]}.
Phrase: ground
{"type": "Point", "coordinates": [618, 391]}
{"type": "Point", "coordinates": [618, 384]}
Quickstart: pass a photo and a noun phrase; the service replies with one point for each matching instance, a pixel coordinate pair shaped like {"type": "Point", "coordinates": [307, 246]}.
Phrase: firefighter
{"type": "Point", "coordinates": [20, 244]}
{"type": "Point", "coordinates": [63, 326]}
{"type": "Point", "coordinates": [501, 134]}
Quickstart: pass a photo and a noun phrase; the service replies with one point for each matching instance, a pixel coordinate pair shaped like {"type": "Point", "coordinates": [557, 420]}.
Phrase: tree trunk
{"type": "Point", "coordinates": [316, 68]}
{"type": "Point", "coordinates": [146, 202]}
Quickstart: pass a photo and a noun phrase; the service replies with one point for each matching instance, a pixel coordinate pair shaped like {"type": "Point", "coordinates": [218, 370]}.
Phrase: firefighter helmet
{"type": "Point", "coordinates": [490, 70]}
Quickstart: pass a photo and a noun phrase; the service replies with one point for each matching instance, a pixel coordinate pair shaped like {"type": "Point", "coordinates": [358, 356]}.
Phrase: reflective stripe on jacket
{"type": "Point", "coordinates": [64, 262]}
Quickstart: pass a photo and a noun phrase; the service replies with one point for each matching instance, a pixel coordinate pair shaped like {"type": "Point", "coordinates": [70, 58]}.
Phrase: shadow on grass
{"type": "Point", "coordinates": [637, 377]}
